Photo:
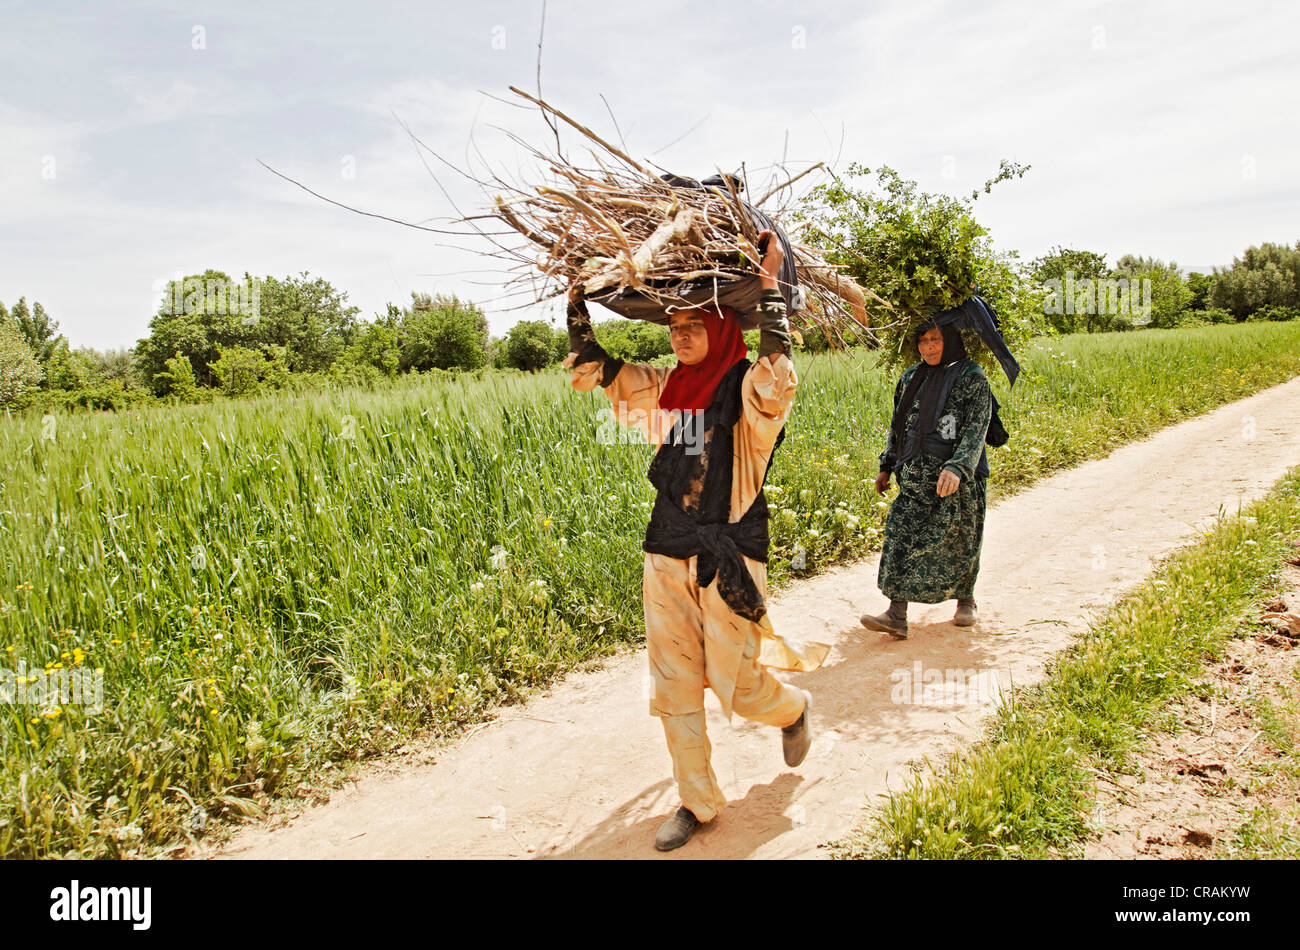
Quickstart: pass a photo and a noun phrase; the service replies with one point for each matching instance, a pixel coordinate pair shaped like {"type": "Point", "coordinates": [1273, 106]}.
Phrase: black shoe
{"type": "Point", "coordinates": [796, 738]}
{"type": "Point", "coordinates": [677, 830]}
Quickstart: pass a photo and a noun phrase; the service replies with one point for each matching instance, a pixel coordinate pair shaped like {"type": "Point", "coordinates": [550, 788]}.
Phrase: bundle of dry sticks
{"type": "Point", "coordinates": [622, 227]}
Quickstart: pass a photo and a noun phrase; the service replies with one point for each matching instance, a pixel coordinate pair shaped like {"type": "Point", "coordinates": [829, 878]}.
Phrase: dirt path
{"type": "Point", "coordinates": [582, 771]}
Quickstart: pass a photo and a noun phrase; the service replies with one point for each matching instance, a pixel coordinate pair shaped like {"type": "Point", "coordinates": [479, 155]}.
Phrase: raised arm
{"type": "Point", "coordinates": [768, 388]}
{"type": "Point", "coordinates": [632, 388]}
{"type": "Point", "coordinates": [584, 351]}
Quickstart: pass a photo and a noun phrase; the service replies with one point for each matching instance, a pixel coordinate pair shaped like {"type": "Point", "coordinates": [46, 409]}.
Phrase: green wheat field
{"type": "Point", "coordinates": [271, 587]}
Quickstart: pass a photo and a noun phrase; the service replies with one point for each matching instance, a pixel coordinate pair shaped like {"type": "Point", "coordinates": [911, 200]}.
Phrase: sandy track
{"type": "Point", "coordinates": [582, 771]}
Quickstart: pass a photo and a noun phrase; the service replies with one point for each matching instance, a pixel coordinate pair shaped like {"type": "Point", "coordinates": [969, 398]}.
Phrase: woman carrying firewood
{"type": "Point", "coordinates": [716, 420]}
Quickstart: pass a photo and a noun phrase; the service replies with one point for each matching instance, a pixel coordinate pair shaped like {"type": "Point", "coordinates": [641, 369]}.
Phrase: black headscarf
{"type": "Point", "coordinates": [927, 379]}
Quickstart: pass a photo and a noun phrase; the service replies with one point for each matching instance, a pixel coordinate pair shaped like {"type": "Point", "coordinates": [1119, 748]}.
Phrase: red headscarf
{"type": "Point", "coordinates": [692, 387]}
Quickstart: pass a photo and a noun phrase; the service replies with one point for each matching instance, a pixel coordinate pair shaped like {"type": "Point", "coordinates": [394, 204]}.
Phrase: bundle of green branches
{"type": "Point", "coordinates": [621, 227]}
{"type": "Point", "coordinates": [924, 253]}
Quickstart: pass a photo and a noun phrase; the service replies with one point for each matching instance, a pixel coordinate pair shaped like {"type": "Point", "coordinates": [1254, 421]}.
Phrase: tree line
{"type": "Point", "coordinates": [214, 334]}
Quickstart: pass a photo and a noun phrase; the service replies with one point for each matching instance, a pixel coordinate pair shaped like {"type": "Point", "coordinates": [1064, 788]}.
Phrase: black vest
{"type": "Point", "coordinates": [933, 443]}
{"type": "Point", "coordinates": [705, 530]}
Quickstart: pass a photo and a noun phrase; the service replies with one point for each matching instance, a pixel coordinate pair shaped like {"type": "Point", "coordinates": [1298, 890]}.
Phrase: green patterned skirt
{"type": "Point", "coordinates": [932, 545]}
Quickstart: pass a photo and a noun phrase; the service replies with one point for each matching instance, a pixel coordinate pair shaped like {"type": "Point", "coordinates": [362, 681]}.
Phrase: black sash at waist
{"type": "Point", "coordinates": [719, 548]}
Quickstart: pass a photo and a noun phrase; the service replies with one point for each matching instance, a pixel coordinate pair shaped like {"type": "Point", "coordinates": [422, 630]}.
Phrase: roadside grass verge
{"type": "Point", "coordinates": [274, 586]}
{"type": "Point", "coordinates": [1024, 790]}
{"type": "Point", "coordinates": [1272, 829]}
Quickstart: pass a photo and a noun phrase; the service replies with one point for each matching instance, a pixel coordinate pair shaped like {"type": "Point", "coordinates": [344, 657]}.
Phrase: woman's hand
{"type": "Point", "coordinates": [882, 483]}
{"type": "Point", "coordinates": [948, 482]}
{"type": "Point", "coordinates": [773, 258]}
{"type": "Point", "coordinates": [576, 293]}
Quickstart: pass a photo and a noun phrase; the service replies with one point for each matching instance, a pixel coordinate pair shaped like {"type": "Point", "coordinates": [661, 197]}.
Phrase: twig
{"type": "Point", "coordinates": [581, 128]}
{"type": "Point", "coordinates": [789, 182]}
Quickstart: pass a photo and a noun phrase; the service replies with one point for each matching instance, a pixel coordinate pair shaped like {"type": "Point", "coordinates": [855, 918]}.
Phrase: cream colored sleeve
{"type": "Point", "coordinates": [633, 396]}
{"type": "Point", "coordinates": [767, 393]}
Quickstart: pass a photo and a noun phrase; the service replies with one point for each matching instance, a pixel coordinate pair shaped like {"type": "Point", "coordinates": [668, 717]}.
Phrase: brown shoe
{"type": "Point", "coordinates": [677, 830]}
{"type": "Point", "coordinates": [893, 621]}
{"type": "Point", "coordinates": [967, 613]}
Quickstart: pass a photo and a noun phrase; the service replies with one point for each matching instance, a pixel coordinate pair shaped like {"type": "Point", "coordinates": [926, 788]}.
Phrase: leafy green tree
{"type": "Point", "coordinates": [38, 328]}
{"type": "Point", "coordinates": [1062, 280]}
{"type": "Point", "coordinates": [20, 370]}
{"type": "Point", "coordinates": [1061, 262]}
{"type": "Point", "coordinates": [1263, 276]}
{"type": "Point", "coordinates": [529, 345]}
{"type": "Point", "coordinates": [308, 317]}
{"type": "Point", "coordinates": [197, 316]}
{"type": "Point", "coordinates": [66, 370]}
{"type": "Point", "coordinates": [559, 344]}
{"type": "Point", "coordinates": [1199, 285]}
{"type": "Point", "coordinates": [1274, 313]}
{"type": "Point", "coordinates": [110, 364]}
{"type": "Point", "coordinates": [178, 379]}
{"type": "Point", "coordinates": [1170, 297]}
{"type": "Point", "coordinates": [638, 341]}
{"type": "Point", "coordinates": [376, 344]}
{"type": "Point", "coordinates": [277, 374]}
{"type": "Point", "coordinates": [442, 332]}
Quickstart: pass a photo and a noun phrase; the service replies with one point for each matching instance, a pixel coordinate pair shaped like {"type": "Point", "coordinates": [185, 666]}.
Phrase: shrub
{"type": "Point", "coordinates": [529, 346]}
{"type": "Point", "coordinates": [441, 332]}
{"type": "Point", "coordinates": [239, 370]}
{"type": "Point", "coordinates": [1274, 313]}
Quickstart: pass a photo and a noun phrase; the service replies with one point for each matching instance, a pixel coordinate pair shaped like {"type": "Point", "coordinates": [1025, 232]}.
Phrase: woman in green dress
{"type": "Point", "coordinates": [942, 408]}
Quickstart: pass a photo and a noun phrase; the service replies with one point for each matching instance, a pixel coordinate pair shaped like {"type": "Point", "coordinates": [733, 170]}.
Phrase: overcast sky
{"type": "Point", "coordinates": [130, 133]}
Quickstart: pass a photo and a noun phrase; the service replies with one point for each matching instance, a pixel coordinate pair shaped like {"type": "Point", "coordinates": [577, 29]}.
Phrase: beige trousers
{"type": "Point", "coordinates": [694, 640]}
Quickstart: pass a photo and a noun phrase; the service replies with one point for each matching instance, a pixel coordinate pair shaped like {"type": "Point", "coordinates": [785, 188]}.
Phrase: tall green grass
{"type": "Point", "coordinates": [273, 585]}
